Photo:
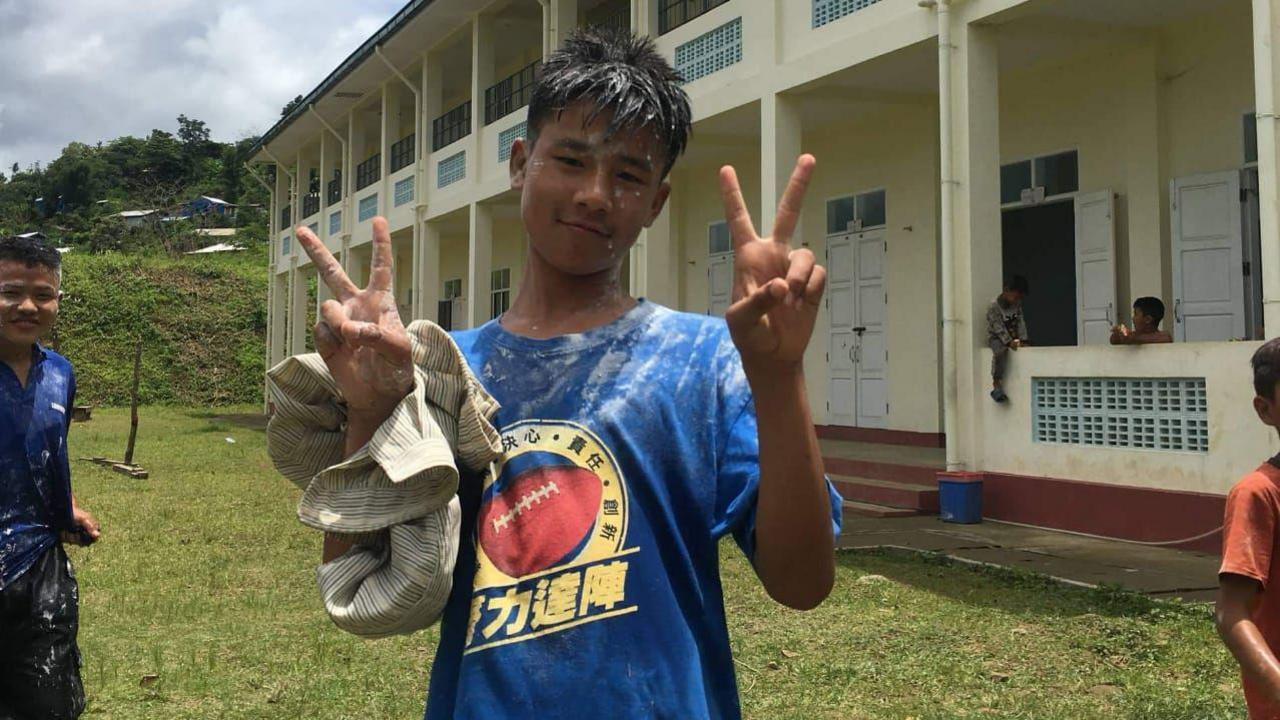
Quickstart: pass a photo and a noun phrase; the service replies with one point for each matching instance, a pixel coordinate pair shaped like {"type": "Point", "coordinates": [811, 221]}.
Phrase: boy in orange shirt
{"type": "Point", "coordinates": [1248, 613]}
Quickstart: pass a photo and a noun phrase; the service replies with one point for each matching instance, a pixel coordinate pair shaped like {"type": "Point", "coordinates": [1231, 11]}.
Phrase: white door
{"type": "Point", "coordinates": [842, 318]}
{"type": "Point", "coordinates": [1095, 267]}
{"type": "Point", "coordinates": [857, 360]}
{"type": "Point", "coordinates": [1208, 282]}
{"type": "Point", "coordinates": [871, 359]}
{"type": "Point", "coordinates": [719, 284]}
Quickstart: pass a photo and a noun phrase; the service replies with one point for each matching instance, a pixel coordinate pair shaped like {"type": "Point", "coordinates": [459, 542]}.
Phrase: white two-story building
{"type": "Point", "coordinates": [1104, 149]}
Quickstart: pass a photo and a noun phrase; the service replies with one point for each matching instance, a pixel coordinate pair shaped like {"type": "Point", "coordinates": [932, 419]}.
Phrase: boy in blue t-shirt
{"type": "Point", "coordinates": [39, 599]}
{"type": "Point", "coordinates": [634, 436]}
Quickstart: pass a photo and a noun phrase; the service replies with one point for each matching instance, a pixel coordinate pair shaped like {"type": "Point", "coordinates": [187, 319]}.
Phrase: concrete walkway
{"type": "Point", "coordinates": [1156, 571]}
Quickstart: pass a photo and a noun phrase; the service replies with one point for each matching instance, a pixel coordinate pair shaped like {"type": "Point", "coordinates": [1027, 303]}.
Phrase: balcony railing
{"type": "Point", "coordinates": [611, 17]}
{"type": "Point", "coordinates": [286, 217]}
{"type": "Point", "coordinates": [335, 189]}
{"type": "Point", "coordinates": [674, 13]}
{"type": "Point", "coordinates": [369, 172]}
{"type": "Point", "coordinates": [451, 126]}
{"type": "Point", "coordinates": [511, 93]}
{"type": "Point", "coordinates": [310, 204]}
{"type": "Point", "coordinates": [402, 152]}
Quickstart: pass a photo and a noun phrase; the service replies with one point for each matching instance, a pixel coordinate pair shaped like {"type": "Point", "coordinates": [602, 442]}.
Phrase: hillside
{"type": "Point", "coordinates": [202, 319]}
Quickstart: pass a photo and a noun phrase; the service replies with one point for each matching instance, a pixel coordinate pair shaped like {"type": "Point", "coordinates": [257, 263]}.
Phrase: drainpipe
{"type": "Point", "coordinates": [950, 391]}
{"type": "Point", "coordinates": [346, 198]}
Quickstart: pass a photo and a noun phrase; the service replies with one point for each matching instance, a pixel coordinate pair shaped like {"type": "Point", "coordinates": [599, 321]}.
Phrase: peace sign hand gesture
{"type": "Point", "coordinates": [359, 335]}
{"type": "Point", "coordinates": [776, 290]}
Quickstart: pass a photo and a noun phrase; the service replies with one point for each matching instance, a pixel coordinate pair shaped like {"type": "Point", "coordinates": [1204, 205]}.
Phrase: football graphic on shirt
{"type": "Point", "coordinates": [539, 517]}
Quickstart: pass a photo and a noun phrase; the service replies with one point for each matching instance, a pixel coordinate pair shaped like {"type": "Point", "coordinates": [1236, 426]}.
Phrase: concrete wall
{"type": "Point", "coordinates": [1238, 442]}
{"type": "Point", "coordinates": [896, 149]}
{"type": "Point", "coordinates": [1141, 110]}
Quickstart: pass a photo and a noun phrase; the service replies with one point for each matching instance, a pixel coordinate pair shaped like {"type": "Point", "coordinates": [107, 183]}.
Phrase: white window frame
{"type": "Point", "coordinates": [1060, 197]}
{"type": "Point", "coordinates": [444, 291]}
{"type": "Point", "coordinates": [499, 294]}
{"type": "Point", "coordinates": [854, 197]}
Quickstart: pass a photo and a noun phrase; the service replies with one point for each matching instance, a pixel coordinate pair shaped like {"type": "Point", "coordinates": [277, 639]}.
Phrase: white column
{"type": "Point", "coordinates": [482, 70]}
{"type": "Point", "coordinates": [384, 145]}
{"type": "Point", "coordinates": [655, 261]}
{"type": "Point", "coordinates": [428, 265]}
{"type": "Point", "coordinates": [780, 141]}
{"type": "Point", "coordinates": [977, 227]}
{"type": "Point", "coordinates": [432, 108]}
{"type": "Point", "coordinates": [1143, 186]}
{"type": "Point", "coordinates": [277, 318]}
{"type": "Point", "coordinates": [564, 18]}
{"type": "Point", "coordinates": [1266, 57]}
{"type": "Point", "coordinates": [297, 310]}
{"type": "Point", "coordinates": [479, 265]}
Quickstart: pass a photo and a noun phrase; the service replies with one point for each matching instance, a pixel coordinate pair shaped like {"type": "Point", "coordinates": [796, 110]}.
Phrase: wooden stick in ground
{"type": "Point", "coordinates": [133, 404]}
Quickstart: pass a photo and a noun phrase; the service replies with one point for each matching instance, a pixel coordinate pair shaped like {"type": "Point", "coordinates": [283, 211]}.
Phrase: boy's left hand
{"type": "Point", "coordinates": [776, 290]}
{"type": "Point", "coordinates": [87, 529]}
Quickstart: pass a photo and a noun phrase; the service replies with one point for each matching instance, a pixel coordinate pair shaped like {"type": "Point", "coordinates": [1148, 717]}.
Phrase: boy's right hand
{"type": "Point", "coordinates": [360, 335]}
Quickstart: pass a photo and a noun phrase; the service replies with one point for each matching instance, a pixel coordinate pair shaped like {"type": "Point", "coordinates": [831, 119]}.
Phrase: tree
{"type": "Point", "coordinates": [289, 106]}
{"type": "Point", "coordinates": [192, 132]}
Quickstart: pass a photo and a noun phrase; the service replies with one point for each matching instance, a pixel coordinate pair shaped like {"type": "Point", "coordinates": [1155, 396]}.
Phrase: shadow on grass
{"type": "Point", "coordinates": [1010, 590]}
{"type": "Point", "coordinates": [252, 421]}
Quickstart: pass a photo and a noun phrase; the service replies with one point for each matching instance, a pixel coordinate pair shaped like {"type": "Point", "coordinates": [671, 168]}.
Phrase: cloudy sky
{"type": "Point", "coordinates": [91, 70]}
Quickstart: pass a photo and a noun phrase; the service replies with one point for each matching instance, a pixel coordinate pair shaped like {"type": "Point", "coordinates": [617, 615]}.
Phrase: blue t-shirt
{"type": "Point", "coordinates": [588, 581]}
{"type": "Point", "coordinates": [35, 477]}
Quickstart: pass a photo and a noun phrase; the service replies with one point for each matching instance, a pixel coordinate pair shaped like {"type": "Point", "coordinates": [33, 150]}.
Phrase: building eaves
{"type": "Point", "coordinates": [362, 53]}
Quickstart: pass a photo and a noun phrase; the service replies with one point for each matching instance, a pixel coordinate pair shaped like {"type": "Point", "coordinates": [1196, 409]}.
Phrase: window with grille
{"type": "Point", "coordinates": [451, 169]}
{"type": "Point", "coordinates": [451, 126]}
{"type": "Point", "coordinates": [508, 137]}
{"type": "Point", "coordinates": [674, 13]}
{"type": "Point", "coordinates": [614, 16]}
{"type": "Point", "coordinates": [500, 287]}
{"type": "Point", "coordinates": [826, 11]}
{"type": "Point", "coordinates": [404, 191]}
{"type": "Point", "coordinates": [368, 207]}
{"type": "Point", "coordinates": [310, 204]}
{"type": "Point", "coordinates": [1149, 414]}
{"type": "Point", "coordinates": [335, 222]}
{"type": "Point", "coordinates": [402, 152]}
{"type": "Point", "coordinates": [286, 216]}
{"type": "Point", "coordinates": [286, 244]}
{"type": "Point", "coordinates": [369, 172]}
{"type": "Point", "coordinates": [711, 51]}
{"type": "Point", "coordinates": [511, 93]}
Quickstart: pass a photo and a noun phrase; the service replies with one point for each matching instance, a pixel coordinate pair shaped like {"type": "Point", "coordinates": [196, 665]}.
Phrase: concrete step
{"type": "Point", "coordinates": [876, 511]}
{"type": "Point", "coordinates": [901, 473]}
{"type": "Point", "coordinates": [918, 497]}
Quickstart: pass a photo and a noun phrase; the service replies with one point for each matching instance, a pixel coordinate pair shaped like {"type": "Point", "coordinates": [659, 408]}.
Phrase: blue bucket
{"type": "Point", "coordinates": [960, 498]}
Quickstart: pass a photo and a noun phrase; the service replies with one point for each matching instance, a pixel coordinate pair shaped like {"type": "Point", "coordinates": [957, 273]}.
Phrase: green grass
{"type": "Point", "coordinates": [204, 580]}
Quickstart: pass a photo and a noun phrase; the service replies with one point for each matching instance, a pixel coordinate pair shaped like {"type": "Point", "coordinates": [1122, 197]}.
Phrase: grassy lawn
{"type": "Point", "coordinates": [200, 602]}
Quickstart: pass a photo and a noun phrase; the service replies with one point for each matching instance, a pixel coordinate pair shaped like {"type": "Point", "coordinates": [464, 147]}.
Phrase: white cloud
{"type": "Point", "coordinates": [96, 69]}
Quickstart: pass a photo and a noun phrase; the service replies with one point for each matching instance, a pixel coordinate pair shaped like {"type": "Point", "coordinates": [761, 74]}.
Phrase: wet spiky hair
{"type": "Point", "coordinates": [30, 252]}
{"type": "Point", "coordinates": [615, 72]}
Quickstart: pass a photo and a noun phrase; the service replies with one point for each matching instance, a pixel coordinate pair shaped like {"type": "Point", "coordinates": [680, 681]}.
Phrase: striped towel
{"type": "Point", "coordinates": [396, 497]}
